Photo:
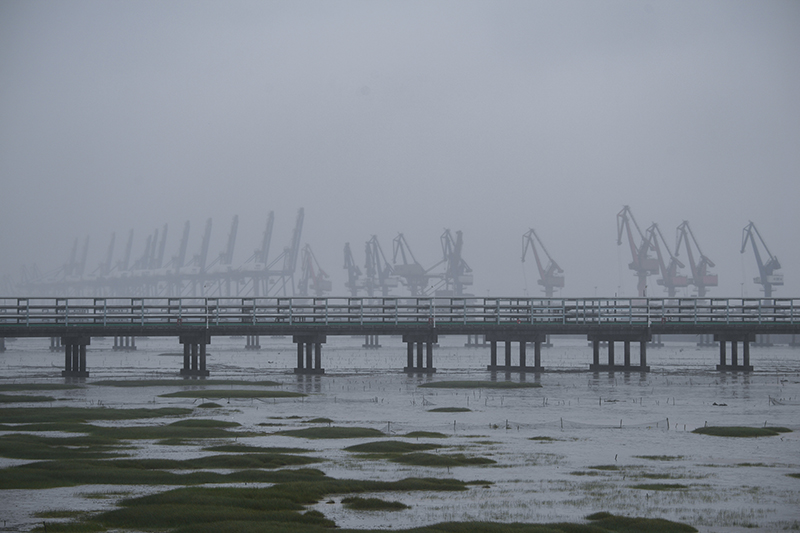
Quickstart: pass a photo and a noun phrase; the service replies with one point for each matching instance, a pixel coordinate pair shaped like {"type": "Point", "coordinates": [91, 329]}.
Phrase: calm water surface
{"type": "Point", "coordinates": [628, 421]}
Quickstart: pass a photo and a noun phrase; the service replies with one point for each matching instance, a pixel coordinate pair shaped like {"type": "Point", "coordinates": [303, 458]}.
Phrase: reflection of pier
{"type": "Point", "coordinates": [71, 322]}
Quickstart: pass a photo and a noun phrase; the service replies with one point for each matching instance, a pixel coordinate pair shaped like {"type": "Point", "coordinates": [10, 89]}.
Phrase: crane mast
{"type": "Point", "coordinates": [670, 279]}
{"type": "Point", "coordinates": [641, 263]}
{"type": "Point", "coordinates": [177, 262]}
{"type": "Point", "coordinates": [701, 278]}
{"type": "Point", "coordinates": [353, 272]}
{"type": "Point", "coordinates": [548, 276]}
{"type": "Point", "coordinates": [767, 276]}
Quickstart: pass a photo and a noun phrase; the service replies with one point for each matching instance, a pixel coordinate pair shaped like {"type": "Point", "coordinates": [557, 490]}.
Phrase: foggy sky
{"type": "Point", "coordinates": [386, 117]}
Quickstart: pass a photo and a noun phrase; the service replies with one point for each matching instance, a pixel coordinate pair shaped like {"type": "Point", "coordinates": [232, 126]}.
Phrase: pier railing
{"type": "Point", "coordinates": [34, 312]}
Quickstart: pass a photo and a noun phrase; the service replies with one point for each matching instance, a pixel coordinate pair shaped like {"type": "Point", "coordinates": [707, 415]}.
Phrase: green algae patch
{"type": "Point", "coordinates": [450, 410]}
{"type": "Point", "coordinates": [741, 431]}
{"type": "Point", "coordinates": [27, 415]}
{"type": "Point", "coordinates": [372, 504]}
{"type": "Point", "coordinates": [183, 383]}
{"type": "Point", "coordinates": [209, 405]}
{"type": "Point", "coordinates": [223, 394]}
{"type": "Point", "coordinates": [479, 385]}
{"type": "Point", "coordinates": [391, 446]}
{"type": "Point", "coordinates": [661, 457]}
{"type": "Point", "coordinates": [24, 398]}
{"type": "Point", "coordinates": [440, 460]}
{"type": "Point", "coordinates": [332, 433]}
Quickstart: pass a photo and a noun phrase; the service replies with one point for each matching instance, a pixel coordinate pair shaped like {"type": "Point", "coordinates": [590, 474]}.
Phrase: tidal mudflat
{"type": "Point", "coordinates": [565, 445]}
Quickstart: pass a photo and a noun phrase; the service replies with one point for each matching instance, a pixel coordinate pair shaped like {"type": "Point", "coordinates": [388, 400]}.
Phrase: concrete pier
{"type": "Point", "coordinates": [426, 340]}
{"type": "Point", "coordinates": [734, 341]}
{"type": "Point", "coordinates": [194, 355]}
{"type": "Point", "coordinates": [523, 340]}
{"type": "Point", "coordinates": [611, 365]}
{"type": "Point", "coordinates": [75, 356]}
{"type": "Point", "coordinates": [309, 354]}
{"type": "Point", "coordinates": [371, 342]}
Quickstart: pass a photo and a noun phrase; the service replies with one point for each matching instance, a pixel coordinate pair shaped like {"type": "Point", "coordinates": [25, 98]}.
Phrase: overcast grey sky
{"type": "Point", "coordinates": [387, 117]}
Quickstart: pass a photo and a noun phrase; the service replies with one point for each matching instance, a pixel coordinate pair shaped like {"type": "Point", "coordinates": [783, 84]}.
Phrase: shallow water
{"type": "Point", "coordinates": [610, 420]}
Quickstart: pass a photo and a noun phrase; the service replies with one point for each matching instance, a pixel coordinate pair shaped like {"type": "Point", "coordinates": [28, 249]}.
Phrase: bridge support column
{"type": "Point", "coordinates": [735, 339]}
{"type": "Point", "coordinates": [55, 344]}
{"type": "Point", "coordinates": [75, 357]}
{"type": "Point", "coordinates": [475, 341]}
{"type": "Point", "coordinates": [595, 339]}
{"type": "Point", "coordinates": [420, 340]}
{"type": "Point", "coordinates": [523, 339]}
{"type": "Point", "coordinates": [194, 355]}
{"type": "Point", "coordinates": [124, 342]}
{"type": "Point", "coordinates": [705, 340]}
{"type": "Point", "coordinates": [371, 342]}
{"type": "Point", "coordinates": [2, 344]}
{"type": "Point", "coordinates": [309, 353]}
{"type": "Point", "coordinates": [253, 342]}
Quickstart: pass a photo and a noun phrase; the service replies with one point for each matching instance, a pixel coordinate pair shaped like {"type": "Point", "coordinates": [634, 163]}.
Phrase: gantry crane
{"type": "Point", "coordinates": [701, 278]}
{"type": "Point", "coordinates": [379, 273]}
{"type": "Point", "coordinates": [353, 282]}
{"type": "Point", "coordinates": [670, 279]}
{"type": "Point", "coordinates": [548, 276]}
{"type": "Point", "coordinates": [767, 276]}
{"type": "Point", "coordinates": [415, 276]}
{"type": "Point", "coordinates": [642, 263]}
{"type": "Point", "coordinates": [457, 274]}
{"type": "Point", "coordinates": [312, 276]}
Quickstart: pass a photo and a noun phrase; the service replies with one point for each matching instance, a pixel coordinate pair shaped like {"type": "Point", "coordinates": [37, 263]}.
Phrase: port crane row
{"type": "Point", "coordinates": [154, 275]}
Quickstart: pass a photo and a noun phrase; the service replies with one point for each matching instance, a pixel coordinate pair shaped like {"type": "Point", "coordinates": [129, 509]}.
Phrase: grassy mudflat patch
{"type": "Point", "coordinates": [244, 448]}
{"type": "Point", "coordinates": [243, 393]}
{"type": "Point", "coordinates": [332, 433]}
{"type": "Point", "coordinates": [660, 486]}
{"type": "Point", "coordinates": [450, 410]}
{"type": "Point", "coordinates": [280, 508]}
{"type": "Point", "coordinates": [24, 398]}
{"type": "Point", "coordinates": [433, 459]}
{"type": "Point", "coordinates": [426, 435]}
{"type": "Point", "coordinates": [480, 385]}
{"type": "Point", "coordinates": [392, 446]}
{"type": "Point", "coordinates": [15, 387]}
{"type": "Point", "coordinates": [372, 504]}
{"type": "Point", "coordinates": [29, 415]}
{"type": "Point", "coordinates": [741, 431]}
{"type": "Point", "coordinates": [661, 457]}
{"type": "Point", "coordinates": [183, 382]}
{"type": "Point", "coordinates": [70, 473]}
